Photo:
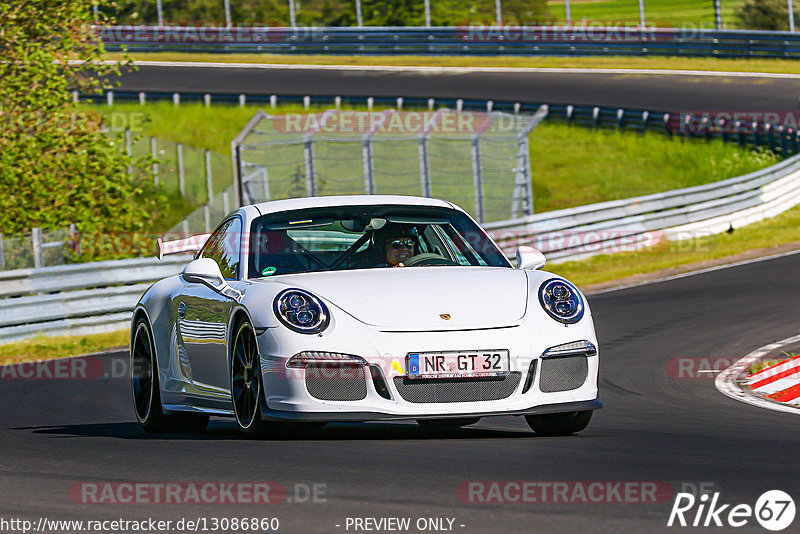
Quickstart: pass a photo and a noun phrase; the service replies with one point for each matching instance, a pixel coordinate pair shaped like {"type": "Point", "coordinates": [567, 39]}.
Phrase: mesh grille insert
{"type": "Point", "coordinates": [562, 373]}
{"type": "Point", "coordinates": [457, 389]}
{"type": "Point", "coordinates": [336, 382]}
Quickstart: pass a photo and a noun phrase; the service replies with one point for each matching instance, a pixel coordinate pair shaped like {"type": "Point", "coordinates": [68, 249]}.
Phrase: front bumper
{"type": "Point", "coordinates": [288, 396]}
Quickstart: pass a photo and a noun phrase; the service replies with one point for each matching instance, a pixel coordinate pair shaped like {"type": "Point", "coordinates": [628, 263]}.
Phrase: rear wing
{"type": "Point", "coordinates": [189, 244]}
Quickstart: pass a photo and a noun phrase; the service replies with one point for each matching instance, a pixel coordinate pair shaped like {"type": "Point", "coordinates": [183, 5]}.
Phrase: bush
{"type": "Point", "coordinates": [56, 165]}
{"type": "Point", "coordinates": [765, 15]}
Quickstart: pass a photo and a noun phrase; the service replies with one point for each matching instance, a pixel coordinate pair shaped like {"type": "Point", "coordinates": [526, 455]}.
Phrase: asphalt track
{"type": "Point", "coordinates": [662, 92]}
{"type": "Point", "coordinates": [54, 433]}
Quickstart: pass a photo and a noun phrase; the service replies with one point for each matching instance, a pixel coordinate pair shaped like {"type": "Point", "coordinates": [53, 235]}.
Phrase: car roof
{"type": "Point", "coordinates": [289, 204]}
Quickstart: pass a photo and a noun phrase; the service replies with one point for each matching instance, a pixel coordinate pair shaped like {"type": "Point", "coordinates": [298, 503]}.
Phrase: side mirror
{"type": "Point", "coordinates": [530, 259]}
{"type": "Point", "coordinates": [204, 271]}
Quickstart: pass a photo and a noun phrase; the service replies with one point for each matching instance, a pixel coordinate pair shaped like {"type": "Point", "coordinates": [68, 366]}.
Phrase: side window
{"type": "Point", "coordinates": [223, 248]}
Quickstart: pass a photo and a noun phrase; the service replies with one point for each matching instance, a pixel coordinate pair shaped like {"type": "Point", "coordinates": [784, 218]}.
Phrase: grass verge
{"type": "Point", "coordinates": [662, 13]}
{"type": "Point", "coordinates": [45, 348]}
{"type": "Point", "coordinates": [777, 66]}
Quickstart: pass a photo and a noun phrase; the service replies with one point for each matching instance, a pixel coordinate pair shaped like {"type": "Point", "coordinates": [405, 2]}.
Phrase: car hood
{"type": "Point", "coordinates": [417, 298]}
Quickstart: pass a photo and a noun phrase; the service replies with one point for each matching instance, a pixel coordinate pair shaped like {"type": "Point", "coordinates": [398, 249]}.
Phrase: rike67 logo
{"type": "Point", "coordinates": [774, 510]}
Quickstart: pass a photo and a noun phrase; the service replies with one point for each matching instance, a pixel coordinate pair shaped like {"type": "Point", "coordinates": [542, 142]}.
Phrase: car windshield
{"type": "Point", "coordinates": [367, 237]}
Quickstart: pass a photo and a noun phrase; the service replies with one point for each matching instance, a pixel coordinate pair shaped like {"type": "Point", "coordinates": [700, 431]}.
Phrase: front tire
{"type": "Point", "coordinates": [559, 424]}
{"type": "Point", "coordinates": [146, 391]}
{"type": "Point", "coordinates": [246, 384]}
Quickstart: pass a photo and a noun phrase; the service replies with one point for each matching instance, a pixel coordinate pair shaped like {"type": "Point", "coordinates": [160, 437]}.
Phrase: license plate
{"type": "Point", "coordinates": [457, 364]}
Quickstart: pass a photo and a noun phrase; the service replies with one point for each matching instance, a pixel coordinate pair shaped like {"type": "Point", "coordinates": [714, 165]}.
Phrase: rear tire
{"type": "Point", "coordinates": [559, 424]}
{"type": "Point", "coordinates": [146, 391]}
{"type": "Point", "coordinates": [447, 424]}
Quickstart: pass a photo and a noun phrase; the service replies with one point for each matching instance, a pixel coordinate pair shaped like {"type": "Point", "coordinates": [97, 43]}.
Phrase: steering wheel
{"type": "Point", "coordinates": [428, 258]}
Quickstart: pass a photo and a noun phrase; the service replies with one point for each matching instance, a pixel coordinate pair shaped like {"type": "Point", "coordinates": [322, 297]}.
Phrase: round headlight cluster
{"type": "Point", "coordinates": [561, 300]}
{"type": "Point", "coordinates": [301, 311]}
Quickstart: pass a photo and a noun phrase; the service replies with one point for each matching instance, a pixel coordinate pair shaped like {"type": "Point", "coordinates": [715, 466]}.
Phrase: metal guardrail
{"type": "Point", "coordinates": [577, 233]}
{"type": "Point", "coordinates": [77, 299]}
{"type": "Point", "coordinates": [98, 297]}
{"type": "Point", "coordinates": [465, 40]}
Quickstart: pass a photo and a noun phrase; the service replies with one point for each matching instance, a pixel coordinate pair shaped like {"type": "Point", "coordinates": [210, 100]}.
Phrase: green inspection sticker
{"type": "Point", "coordinates": [269, 270]}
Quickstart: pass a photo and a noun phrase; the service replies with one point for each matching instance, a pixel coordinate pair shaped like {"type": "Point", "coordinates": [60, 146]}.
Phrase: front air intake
{"type": "Point", "coordinates": [336, 382]}
{"type": "Point", "coordinates": [433, 390]}
{"type": "Point", "coordinates": [563, 373]}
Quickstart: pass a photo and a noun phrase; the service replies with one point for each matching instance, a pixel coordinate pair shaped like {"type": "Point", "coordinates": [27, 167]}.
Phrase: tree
{"type": "Point", "coordinates": [56, 165]}
{"type": "Point", "coordinates": [765, 15]}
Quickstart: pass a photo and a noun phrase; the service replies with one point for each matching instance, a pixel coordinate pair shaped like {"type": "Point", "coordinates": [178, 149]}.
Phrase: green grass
{"type": "Point", "coordinates": [660, 13]}
{"type": "Point", "coordinates": [766, 234]}
{"type": "Point", "coordinates": [571, 166]}
{"type": "Point", "coordinates": [45, 348]}
{"type": "Point", "coordinates": [780, 66]}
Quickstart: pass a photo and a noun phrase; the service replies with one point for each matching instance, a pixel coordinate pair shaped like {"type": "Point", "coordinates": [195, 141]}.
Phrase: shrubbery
{"type": "Point", "coordinates": [56, 166]}
{"type": "Point", "coordinates": [766, 15]}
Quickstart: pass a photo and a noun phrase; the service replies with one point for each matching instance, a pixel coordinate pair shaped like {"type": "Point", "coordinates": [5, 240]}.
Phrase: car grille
{"type": "Point", "coordinates": [336, 382]}
{"type": "Point", "coordinates": [457, 389]}
{"type": "Point", "coordinates": [562, 373]}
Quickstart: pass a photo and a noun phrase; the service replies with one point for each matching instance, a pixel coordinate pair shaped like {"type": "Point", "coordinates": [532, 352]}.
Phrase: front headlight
{"type": "Point", "coordinates": [561, 301]}
{"type": "Point", "coordinates": [301, 311]}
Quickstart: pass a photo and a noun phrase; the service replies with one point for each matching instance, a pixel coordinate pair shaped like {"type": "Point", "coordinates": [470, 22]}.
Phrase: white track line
{"type": "Point", "coordinates": [726, 380]}
{"type": "Point", "coordinates": [459, 70]}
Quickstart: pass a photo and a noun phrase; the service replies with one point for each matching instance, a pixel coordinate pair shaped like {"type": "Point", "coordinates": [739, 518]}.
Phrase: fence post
{"type": "Point", "coordinates": [209, 186]}
{"type": "Point", "coordinates": [142, 98]}
{"type": "Point", "coordinates": [431, 103]}
{"type": "Point", "coordinates": [128, 149]}
{"type": "Point", "coordinates": [110, 98]}
{"type": "Point", "coordinates": [399, 103]}
{"type": "Point", "coordinates": [366, 154]}
{"type": "Point", "coordinates": [620, 119]}
{"type": "Point", "coordinates": [176, 99]}
{"type": "Point", "coordinates": [424, 166]}
{"type": "Point", "coordinates": [181, 173]}
{"type": "Point", "coordinates": [337, 102]}
{"type": "Point", "coordinates": [308, 160]}
{"type": "Point", "coordinates": [185, 227]}
{"type": "Point", "coordinates": [36, 239]}
{"type": "Point", "coordinates": [645, 118]}
{"type": "Point", "coordinates": [242, 100]}
{"type": "Point", "coordinates": [477, 178]}
{"type": "Point", "coordinates": [207, 99]}
{"type": "Point", "coordinates": [273, 101]}
{"type": "Point", "coordinates": [154, 153]}
{"type": "Point", "coordinates": [306, 102]}
{"type": "Point", "coordinates": [226, 203]}
{"type": "Point", "coordinates": [2, 254]}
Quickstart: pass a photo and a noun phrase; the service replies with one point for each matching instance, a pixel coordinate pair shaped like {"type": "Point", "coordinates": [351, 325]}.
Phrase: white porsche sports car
{"type": "Point", "coordinates": [360, 308]}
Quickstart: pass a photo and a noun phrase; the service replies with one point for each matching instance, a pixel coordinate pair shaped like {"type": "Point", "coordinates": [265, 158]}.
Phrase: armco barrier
{"type": "Point", "coordinates": [77, 299]}
{"type": "Point", "coordinates": [97, 297]}
{"type": "Point", "coordinates": [465, 40]}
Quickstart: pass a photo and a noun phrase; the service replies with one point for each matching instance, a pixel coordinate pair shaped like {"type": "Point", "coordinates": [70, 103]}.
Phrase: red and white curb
{"type": "Point", "coordinates": [775, 388]}
{"type": "Point", "coordinates": [780, 382]}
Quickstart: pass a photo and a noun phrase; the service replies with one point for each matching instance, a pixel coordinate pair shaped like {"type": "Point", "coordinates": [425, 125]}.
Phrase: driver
{"type": "Point", "coordinates": [397, 243]}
